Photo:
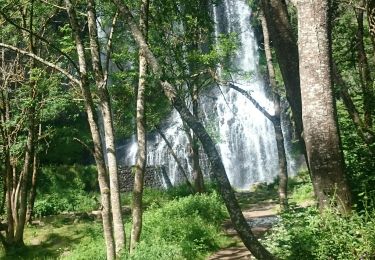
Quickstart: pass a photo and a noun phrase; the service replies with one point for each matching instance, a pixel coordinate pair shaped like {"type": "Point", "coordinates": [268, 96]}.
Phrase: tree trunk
{"type": "Point", "coordinates": [180, 168]}
{"type": "Point", "coordinates": [371, 21]}
{"type": "Point", "coordinates": [319, 115]}
{"type": "Point", "coordinates": [217, 167]}
{"type": "Point", "coordinates": [364, 133]}
{"type": "Point", "coordinates": [283, 167]}
{"type": "Point", "coordinates": [281, 32]}
{"type": "Point", "coordinates": [197, 171]}
{"type": "Point", "coordinates": [95, 134]}
{"type": "Point", "coordinates": [141, 136]}
{"type": "Point", "coordinates": [9, 184]}
{"type": "Point", "coordinates": [23, 181]}
{"type": "Point", "coordinates": [8, 177]}
{"type": "Point", "coordinates": [276, 122]}
{"type": "Point", "coordinates": [364, 72]}
{"type": "Point", "coordinates": [24, 178]}
{"type": "Point", "coordinates": [32, 192]}
{"type": "Point", "coordinates": [105, 107]}
{"type": "Point", "coordinates": [166, 178]}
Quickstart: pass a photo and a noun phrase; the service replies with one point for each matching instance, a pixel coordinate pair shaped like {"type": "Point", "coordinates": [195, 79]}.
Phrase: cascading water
{"type": "Point", "coordinates": [244, 136]}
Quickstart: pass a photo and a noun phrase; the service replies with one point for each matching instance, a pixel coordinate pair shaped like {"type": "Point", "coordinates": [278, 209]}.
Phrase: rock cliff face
{"type": "Point", "coordinates": [154, 178]}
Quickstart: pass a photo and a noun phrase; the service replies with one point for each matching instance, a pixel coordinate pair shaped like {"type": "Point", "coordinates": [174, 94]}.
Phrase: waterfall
{"type": "Point", "coordinates": [243, 135]}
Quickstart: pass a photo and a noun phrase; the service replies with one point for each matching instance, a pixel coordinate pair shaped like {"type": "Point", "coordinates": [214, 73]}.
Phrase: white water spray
{"type": "Point", "coordinates": [244, 136]}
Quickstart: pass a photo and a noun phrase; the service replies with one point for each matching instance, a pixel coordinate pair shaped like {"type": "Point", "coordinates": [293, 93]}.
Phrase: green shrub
{"type": "Point", "coordinates": [55, 203]}
{"type": "Point", "coordinates": [66, 188]}
{"type": "Point", "coordinates": [159, 197]}
{"type": "Point", "coordinates": [306, 234]}
{"type": "Point", "coordinates": [302, 192]}
{"type": "Point", "coordinates": [150, 197]}
{"type": "Point", "coordinates": [191, 224]}
{"type": "Point", "coordinates": [184, 228]}
{"type": "Point", "coordinates": [60, 178]}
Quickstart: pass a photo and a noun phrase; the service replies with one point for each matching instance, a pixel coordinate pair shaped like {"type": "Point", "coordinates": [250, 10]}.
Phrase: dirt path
{"type": "Point", "coordinates": [261, 216]}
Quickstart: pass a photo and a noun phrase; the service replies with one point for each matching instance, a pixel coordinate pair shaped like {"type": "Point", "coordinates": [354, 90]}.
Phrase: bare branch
{"type": "Point", "coordinates": [245, 93]}
{"type": "Point", "coordinates": [84, 145]}
{"type": "Point", "coordinates": [40, 38]}
{"type": "Point", "coordinates": [60, 7]}
{"type": "Point", "coordinates": [109, 47]}
{"type": "Point", "coordinates": [54, 5]}
{"type": "Point", "coordinates": [45, 62]}
{"type": "Point", "coordinates": [255, 103]}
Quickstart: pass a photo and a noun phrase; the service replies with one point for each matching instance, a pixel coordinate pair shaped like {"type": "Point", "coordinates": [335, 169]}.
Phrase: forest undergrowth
{"type": "Point", "coordinates": [179, 225]}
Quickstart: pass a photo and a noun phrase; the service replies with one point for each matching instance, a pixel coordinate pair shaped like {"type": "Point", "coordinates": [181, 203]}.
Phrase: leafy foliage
{"type": "Point", "coordinates": [66, 189]}
{"type": "Point", "coordinates": [191, 223]}
{"type": "Point", "coordinates": [306, 234]}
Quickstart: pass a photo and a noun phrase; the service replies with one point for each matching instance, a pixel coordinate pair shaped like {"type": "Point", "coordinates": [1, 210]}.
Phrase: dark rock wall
{"type": "Point", "coordinates": [153, 178]}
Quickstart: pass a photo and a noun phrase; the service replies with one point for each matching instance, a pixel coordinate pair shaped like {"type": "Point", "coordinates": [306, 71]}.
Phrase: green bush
{"type": "Point", "coordinates": [191, 224]}
{"type": "Point", "coordinates": [306, 234]}
{"type": "Point", "coordinates": [302, 192]}
{"type": "Point", "coordinates": [184, 228]}
{"type": "Point", "coordinates": [55, 203]}
{"type": "Point", "coordinates": [66, 188]}
{"type": "Point", "coordinates": [60, 178]}
{"type": "Point", "coordinates": [159, 197]}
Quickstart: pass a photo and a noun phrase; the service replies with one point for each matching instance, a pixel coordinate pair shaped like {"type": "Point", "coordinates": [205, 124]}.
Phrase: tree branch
{"type": "Point", "coordinates": [109, 47]}
{"type": "Point", "coordinates": [91, 151]}
{"type": "Point", "coordinates": [45, 62]}
{"type": "Point", "coordinates": [40, 38]}
{"type": "Point", "coordinates": [60, 7]}
{"type": "Point", "coordinates": [255, 103]}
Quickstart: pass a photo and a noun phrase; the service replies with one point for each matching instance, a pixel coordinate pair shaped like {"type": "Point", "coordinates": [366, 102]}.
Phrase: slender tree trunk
{"type": "Point", "coordinates": [22, 188]}
{"type": "Point", "coordinates": [95, 134]}
{"type": "Point", "coordinates": [24, 179]}
{"type": "Point", "coordinates": [194, 159]}
{"type": "Point", "coordinates": [9, 208]}
{"type": "Point", "coordinates": [364, 72]}
{"type": "Point", "coordinates": [283, 167]}
{"type": "Point", "coordinates": [319, 115]}
{"type": "Point", "coordinates": [9, 200]}
{"type": "Point", "coordinates": [32, 192]}
{"type": "Point", "coordinates": [365, 133]}
{"type": "Point", "coordinates": [175, 157]}
{"type": "Point", "coordinates": [197, 171]}
{"type": "Point", "coordinates": [370, 7]}
{"type": "Point", "coordinates": [166, 178]}
{"type": "Point", "coordinates": [4, 195]}
{"type": "Point", "coordinates": [141, 136]}
{"type": "Point", "coordinates": [281, 32]}
{"type": "Point", "coordinates": [8, 178]}
{"type": "Point", "coordinates": [105, 106]}
{"type": "Point", "coordinates": [217, 167]}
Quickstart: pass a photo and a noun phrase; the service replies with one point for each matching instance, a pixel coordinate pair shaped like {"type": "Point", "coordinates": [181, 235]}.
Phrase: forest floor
{"type": "Point", "coordinates": [260, 209]}
{"type": "Point", "coordinates": [261, 218]}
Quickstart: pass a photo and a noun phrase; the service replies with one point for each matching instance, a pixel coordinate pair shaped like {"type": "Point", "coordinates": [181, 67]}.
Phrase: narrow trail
{"type": "Point", "coordinates": [261, 216]}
